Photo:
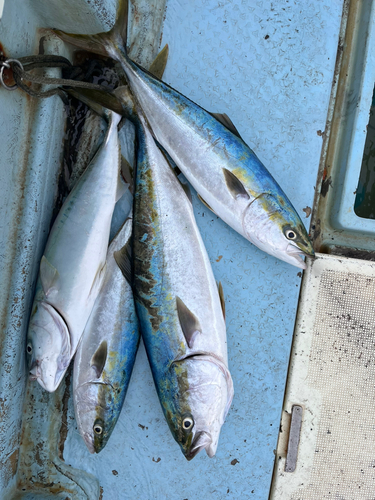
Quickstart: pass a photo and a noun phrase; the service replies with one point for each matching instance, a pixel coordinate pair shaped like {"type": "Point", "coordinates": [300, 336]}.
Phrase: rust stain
{"type": "Point", "coordinates": [13, 462]}
{"type": "Point", "coordinates": [324, 173]}
{"type": "Point", "coordinates": [219, 258]}
{"type": "Point", "coordinates": [316, 230]}
{"type": "Point", "coordinates": [64, 414]}
{"type": "Point", "coordinates": [157, 460]}
{"type": "Point", "coordinates": [101, 493]}
{"type": "Point", "coordinates": [7, 73]}
{"type": "Point", "coordinates": [325, 186]}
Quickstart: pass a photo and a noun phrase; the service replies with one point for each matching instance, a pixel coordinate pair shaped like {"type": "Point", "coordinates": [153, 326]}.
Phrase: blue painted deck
{"type": "Point", "coordinates": [269, 66]}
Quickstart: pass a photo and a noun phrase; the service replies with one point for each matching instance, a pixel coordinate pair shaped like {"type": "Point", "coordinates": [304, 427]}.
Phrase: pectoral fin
{"type": "Point", "coordinates": [99, 359]}
{"type": "Point", "coordinates": [48, 276]}
{"type": "Point", "coordinates": [224, 119]}
{"type": "Point", "coordinates": [235, 186]}
{"type": "Point", "coordinates": [189, 322]}
{"type": "Point", "coordinates": [123, 258]}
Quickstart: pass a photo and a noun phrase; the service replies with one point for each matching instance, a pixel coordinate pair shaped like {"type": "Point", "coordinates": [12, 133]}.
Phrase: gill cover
{"type": "Point", "coordinates": [273, 226]}
{"type": "Point", "coordinates": [48, 346]}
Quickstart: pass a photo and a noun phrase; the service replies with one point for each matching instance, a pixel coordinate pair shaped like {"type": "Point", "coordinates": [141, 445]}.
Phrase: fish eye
{"type": "Point", "coordinates": [98, 429]}
{"type": "Point", "coordinates": [29, 348]}
{"type": "Point", "coordinates": [187, 423]}
{"type": "Point", "coordinates": [290, 234]}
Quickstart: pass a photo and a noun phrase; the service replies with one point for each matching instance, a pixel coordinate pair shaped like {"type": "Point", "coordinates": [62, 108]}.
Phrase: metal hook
{"type": "Point", "coordinates": [5, 64]}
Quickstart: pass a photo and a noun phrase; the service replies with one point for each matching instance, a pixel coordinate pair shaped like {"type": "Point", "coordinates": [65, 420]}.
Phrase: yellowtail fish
{"type": "Point", "coordinates": [207, 148]}
{"type": "Point", "coordinates": [73, 265]}
{"type": "Point", "coordinates": [106, 354]}
{"type": "Point", "coordinates": [178, 304]}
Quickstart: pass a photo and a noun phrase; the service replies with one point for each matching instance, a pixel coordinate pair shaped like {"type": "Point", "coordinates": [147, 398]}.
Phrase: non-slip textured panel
{"type": "Point", "coordinates": [333, 375]}
{"type": "Point", "coordinates": [342, 365]}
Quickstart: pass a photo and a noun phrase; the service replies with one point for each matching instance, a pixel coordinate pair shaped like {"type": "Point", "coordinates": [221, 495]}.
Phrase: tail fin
{"type": "Point", "coordinates": [97, 100]}
{"type": "Point", "coordinates": [120, 100]}
{"type": "Point", "coordinates": [104, 43]}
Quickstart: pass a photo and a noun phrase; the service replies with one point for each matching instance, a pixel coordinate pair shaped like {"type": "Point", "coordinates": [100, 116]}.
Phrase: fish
{"type": "Point", "coordinates": [106, 354]}
{"type": "Point", "coordinates": [73, 265]}
{"type": "Point", "coordinates": [209, 151]}
{"type": "Point", "coordinates": [177, 301]}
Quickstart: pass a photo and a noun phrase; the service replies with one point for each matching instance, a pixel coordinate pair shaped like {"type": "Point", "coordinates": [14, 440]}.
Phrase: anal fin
{"type": "Point", "coordinates": [98, 280]}
{"type": "Point", "coordinates": [221, 296]}
{"type": "Point", "coordinates": [205, 203]}
{"type": "Point", "coordinates": [186, 188]}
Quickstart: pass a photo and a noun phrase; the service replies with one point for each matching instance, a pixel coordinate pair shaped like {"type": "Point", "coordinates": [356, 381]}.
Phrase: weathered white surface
{"type": "Point", "coordinates": [269, 66]}
{"type": "Point", "coordinates": [331, 376]}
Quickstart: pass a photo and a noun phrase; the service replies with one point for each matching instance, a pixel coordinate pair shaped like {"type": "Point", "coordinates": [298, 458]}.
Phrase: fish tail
{"type": "Point", "coordinates": [104, 104]}
{"type": "Point", "coordinates": [98, 100]}
{"type": "Point", "coordinates": [108, 43]}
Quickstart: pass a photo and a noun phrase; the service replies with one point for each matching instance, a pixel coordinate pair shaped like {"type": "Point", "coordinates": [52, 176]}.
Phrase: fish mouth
{"type": "Point", "coordinates": [296, 253]}
{"type": "Point", "coordinates": [34, 372]}
{"type": "Point", "coordinates": [89, 442]}
{"type": "Point", "coordinates": [50, 383]}
{"type": "Point", "coordinates": [202, 440]}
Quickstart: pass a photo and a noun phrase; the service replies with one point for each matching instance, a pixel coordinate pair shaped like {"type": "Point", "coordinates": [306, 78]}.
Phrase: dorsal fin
{"type": "Point", "coordinates": [48, 276]}
{"type": "Point", "coordinates": [189, 322]}
{"type": "Point", "coordinates": [205, 203]}
{"type": "Point", "coordinates": [224, 119]}
{"type": "Point", "coordinates": [158, 65]}
{"type": "Point", "coordinates": [99, 358]}
{"type": "Point", "coordinates": [221, 295]}
{"type": "Point", "coordinates": [235, 186]}
{"type": "Point", "coordinates": [123, 258]}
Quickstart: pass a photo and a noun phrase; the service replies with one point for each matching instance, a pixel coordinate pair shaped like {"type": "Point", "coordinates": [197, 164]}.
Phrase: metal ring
{"type": "Point", "coordinates": [5, 64]}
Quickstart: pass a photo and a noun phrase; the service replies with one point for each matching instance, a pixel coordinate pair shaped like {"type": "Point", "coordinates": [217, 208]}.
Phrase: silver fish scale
{"type": "Point", "coordinates": [190, 149]}
{"type": "Point", "coordinates": [186, 261]}
{"type": "Point", "coordinates": [87, 234]}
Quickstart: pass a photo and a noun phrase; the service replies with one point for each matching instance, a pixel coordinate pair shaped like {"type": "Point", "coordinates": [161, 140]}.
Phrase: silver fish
{"type": "Point", "coordinates": [177, 303]}
{"type": "Point", "coordinates": [106, 354]}
{"type": "Point", "coordinates": [73, 265]}
{"type": "Point", "coordinates": [207, 148]}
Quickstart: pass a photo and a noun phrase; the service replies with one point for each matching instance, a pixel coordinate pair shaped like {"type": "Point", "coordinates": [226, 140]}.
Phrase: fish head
{"type": "Point", "coordinates": [204, 400]}
{"type": "Point", "coordinates": [48, 346]}
{"type": "Point", "coordinates": [95, 415]}
{"type": "Point", "coordinates": [271, 223]}
{"type": "Point", "coordinates": [97, 409]}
